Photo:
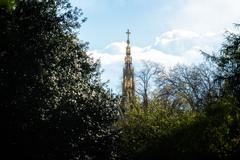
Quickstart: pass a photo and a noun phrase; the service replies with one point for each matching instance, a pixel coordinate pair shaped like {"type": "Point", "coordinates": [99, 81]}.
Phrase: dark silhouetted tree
{"type": "Point", "coordinates": [228, 64]}
{"type": "Point", "coordinates": [53, 105]}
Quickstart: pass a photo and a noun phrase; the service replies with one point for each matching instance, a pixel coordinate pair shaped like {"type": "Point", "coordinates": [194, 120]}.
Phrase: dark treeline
{"type": "Point", "coordinates": [54, 106]}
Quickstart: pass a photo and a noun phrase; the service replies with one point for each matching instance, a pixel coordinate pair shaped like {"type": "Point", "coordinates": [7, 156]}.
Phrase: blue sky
{"type": "Point", "coordinates": [163, 31]}
{"type": "Point", "coordinates": [109, 19]}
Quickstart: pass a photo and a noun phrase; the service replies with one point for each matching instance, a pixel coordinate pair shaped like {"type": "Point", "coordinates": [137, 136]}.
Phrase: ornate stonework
{"type": "Point", "coordinates": [128, 86]}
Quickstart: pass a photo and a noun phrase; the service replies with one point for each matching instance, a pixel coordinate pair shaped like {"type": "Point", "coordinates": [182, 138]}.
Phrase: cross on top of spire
{"type": "Point", "coordinates": [128, 33]}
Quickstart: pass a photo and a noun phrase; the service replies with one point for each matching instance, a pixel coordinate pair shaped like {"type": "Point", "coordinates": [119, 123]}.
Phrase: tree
{"type": "Point", "coordinates": [228, 64]}
{"type": "Point", "coordinates": [54, 105]}
{"type": "Point", "coordinates": [159, 133]}
{"type": "Point", "coordinates": [7, 4]}
{"type": "Point", "coordinates": [145, 79]}
{"type": "Point", "coordinates": [188, 86]}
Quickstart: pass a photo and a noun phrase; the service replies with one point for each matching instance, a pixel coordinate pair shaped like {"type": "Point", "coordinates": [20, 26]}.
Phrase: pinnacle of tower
{"type": "Point", "coordinates": [128, 33]}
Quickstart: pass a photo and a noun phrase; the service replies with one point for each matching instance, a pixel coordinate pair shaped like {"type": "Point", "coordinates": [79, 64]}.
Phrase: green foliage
{"type": "Point", "coordinates": [224, 127]}
{"type": "Point", "coordinates": [228, 64]}
{"type": "Point", "coordinates": [159, 132]}
{"type": "Point", "coordinates": [54, 105]}
{"type": "Point", "coordinates": [142, 128]}
{"type": "Point", "coordinates": [8, 4]}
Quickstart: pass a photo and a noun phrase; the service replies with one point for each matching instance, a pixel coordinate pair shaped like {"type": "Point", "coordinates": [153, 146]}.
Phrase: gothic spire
{"type": "Point", "coordinates": [128, 87]}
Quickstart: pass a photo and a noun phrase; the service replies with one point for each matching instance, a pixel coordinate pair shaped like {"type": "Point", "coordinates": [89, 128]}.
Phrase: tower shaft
{"type": "Point", "coordinates": [128, 86]}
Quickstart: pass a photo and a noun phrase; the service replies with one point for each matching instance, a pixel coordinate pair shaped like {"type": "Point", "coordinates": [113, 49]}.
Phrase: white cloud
{"type": "Point", "coordinates": [138, 54]}
{"type": "Point", "coordinates": [106, 58]}
{"type": "Point", "coordinates": [207, 15]}
{"type": "Point", "coordinates": [149, 54]}
{"type": "Point", "coordinates": [180, 41]}
{"type": "Point", "coordinates": [115, 48]}
{"type": "Point", "coordinates": [175, 35]}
